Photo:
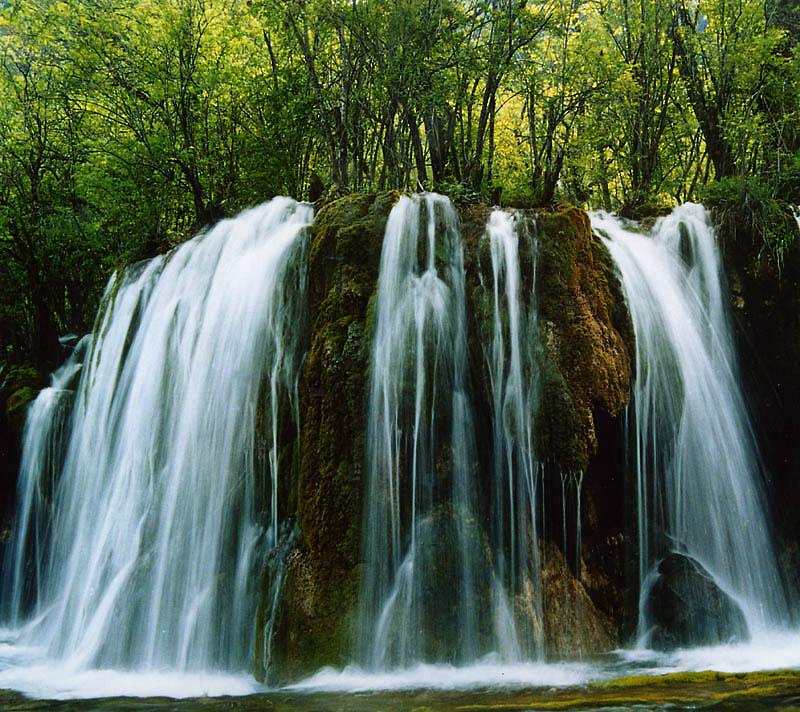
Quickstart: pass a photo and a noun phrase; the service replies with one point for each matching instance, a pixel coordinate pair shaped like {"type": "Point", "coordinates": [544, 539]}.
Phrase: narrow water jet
{"type": "Point", "coordinates": [698, 474]}
{"type": "Point", "coordinates": [157, 523]}
{"type": "Point", "coordinates": [426, 586]}
{"type": "Point", "coordinates": [44, 443]}
{"type": "Point", "coordinates": [512, 360]}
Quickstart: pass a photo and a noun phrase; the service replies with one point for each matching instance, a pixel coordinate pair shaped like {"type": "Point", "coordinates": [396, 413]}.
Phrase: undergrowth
{"type": "Point", "coordinates": [752, 206]}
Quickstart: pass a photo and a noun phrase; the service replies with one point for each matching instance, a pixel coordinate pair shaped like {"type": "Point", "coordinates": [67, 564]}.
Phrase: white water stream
{"type": "Point", "coordinates": [147, 549]}
{"type": "Point", "coordinates": [700, 484]}
{"type": "Point", "coordinates": [420, 541]}
{"type": "Point", "coordinates": [512, 361]}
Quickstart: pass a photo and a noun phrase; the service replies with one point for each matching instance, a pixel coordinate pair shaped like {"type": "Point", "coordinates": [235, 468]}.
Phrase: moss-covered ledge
{"type": "Point", "coordinates": [315, 621]}
{"type": "Point", "coordinates": [587, 333]}
{"type": "Point", "coordinates": [586, 328]}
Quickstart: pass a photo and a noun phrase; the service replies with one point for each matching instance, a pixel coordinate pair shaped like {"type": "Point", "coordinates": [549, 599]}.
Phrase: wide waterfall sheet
{"type": "Point", "coordinates": [144, 527]}
{"type": "Point", "coordinates": [698, 474]}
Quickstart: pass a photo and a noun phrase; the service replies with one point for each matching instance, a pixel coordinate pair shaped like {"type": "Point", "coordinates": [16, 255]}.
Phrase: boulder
{"type": "Point", "coordinates": [687, 609]}
{"type": "Point", "coordinates": [574, 626]}
{"type": "Point", "coordinates": [443, 611]}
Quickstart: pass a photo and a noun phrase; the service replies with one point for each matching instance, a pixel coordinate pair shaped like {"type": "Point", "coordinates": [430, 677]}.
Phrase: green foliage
{"type": "Point", "coordinates": [463, 191]}
{"type": "Point", "coordinates": [787, 186]}
{"type": "Point", "coordinates": [127, 126]}
{"type": "Point", "coordinates": [19, 385]}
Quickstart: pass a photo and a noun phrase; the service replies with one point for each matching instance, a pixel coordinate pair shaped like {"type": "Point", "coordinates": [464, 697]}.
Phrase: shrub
{"type": "Point", "coordinates": [748, 205]}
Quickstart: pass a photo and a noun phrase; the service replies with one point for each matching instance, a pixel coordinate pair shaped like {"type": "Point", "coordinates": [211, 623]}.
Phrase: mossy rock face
{"type": "Point", "coordinates": [585, 368]}
{"type": "Point", "coordinates": [647, 211]}
{"type": "Point", "coordinates": [347, 238]}
{"type": "Point", "coordinates": [573, 625]}
{"type": "Point", "coordinates": [586, 337]}
{"type": "Point", "coordinates": [314, 616]}
{"type": "Point", "coordinates": [586, 333]}
{"type": "Point", "coordinates": [765, 300]}
{"type": "Point", "coordinates": [316, 621]}
{"type": "Point", "coordinates": [321, 579]}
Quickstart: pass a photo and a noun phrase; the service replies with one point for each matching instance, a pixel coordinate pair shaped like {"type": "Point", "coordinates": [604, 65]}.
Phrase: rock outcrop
{"type": "Point", "coordinates": [587, 344]}
{"type": "Point", "coordinates": [686, 608]}
{"type": "Point", "coordinates": [19, 385]}
{"type": "Point", "coordinates": [320, 588]}
{"type": "Point", "coordinates": [765, 297]}
{"type": "Point", "coordinates": [587, 333]}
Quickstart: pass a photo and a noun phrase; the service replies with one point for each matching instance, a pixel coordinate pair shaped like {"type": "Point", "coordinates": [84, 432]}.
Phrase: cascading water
{"type": "Point", "coordinates": [513, 366]}
{"type": "Point", "coordinates": [139, 539]}
{"type": "Point", "coordinates": [44, 442]}
{"type": "Point", "coordinates": [427, 586]}
{"type": "Point", "coordinates": [696, 462]}
{"type": "Point", "coordinates": [145, 534]}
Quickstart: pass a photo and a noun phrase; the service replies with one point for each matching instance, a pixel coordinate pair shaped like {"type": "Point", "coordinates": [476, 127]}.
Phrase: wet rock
{"type": "Point", "coordinates": [587, 342]}
{"type": "Point", "coordinates": [19, 385]}
{"type": "Point", "coordinates": [587, 334]}
{"type": "Point", "coordinates": [573, 625]}
{"type": "Point", "coordinates": [313, 627]}
{"type": "Point", "coordinates": [765, 301]}
{"type": "Point", "coordinates": [688, 609]}
{"type": "Point", "coordinates": [450, 583]}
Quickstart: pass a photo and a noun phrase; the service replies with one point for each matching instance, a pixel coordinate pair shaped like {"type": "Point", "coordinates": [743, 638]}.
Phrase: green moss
{"type": "Point", "coordinates": [523, 196]}
{"type": "Point", "coordinates": [322, 579]}
{"type": "Point", "coordinates": [586, 334]}
{"type": "Point", "coordinates": [327, 641]}
{"type": "Point", "coordinates": [19, 400]}
{"type": "Point", "coordinates": [289, 474]}
{"type": "Point", "coordinates": [741, 692]}
{"type": "Point", "coordinates": [653, 208]}
{"type": "Point", "coordinates": [620, 315]}
{"type": "Point", "coordinates": [557, 424]}
{"type": "Point", "coordinates": [369, 324]}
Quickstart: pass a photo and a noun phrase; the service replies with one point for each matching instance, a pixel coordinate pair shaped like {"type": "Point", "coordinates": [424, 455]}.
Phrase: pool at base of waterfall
{"type": "Point", "coordinates": [761, 674]}
{"type": "Point", "coordinates": [742, 692]}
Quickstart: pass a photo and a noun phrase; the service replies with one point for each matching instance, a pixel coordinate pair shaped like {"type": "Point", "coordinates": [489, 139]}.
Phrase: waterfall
{"type": "Point", "coordinates": [696, 460]}
{"type": "Point", "coordinates": [149, 502]}
{"type": "Point", "coordinates": [143, 509]}
{"type": "Point", "coordinates": [512, 360]}
{"type": "Point", "coordinates": [426, 586]}
{"type": "Point", "coordinates": [43, 445]}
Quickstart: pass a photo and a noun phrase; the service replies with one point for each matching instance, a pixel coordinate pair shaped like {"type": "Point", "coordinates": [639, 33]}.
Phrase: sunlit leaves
{"type": "Point", "coordinates": [126, 124]}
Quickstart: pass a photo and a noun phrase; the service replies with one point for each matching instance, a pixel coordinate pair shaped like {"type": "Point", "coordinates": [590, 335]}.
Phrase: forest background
{"type": "Point", "coordinates": [128, 125]}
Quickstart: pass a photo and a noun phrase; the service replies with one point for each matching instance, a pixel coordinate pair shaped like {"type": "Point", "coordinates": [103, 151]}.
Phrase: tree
{"type": "Point", "coordinates": [640, 33]}
{"type": "Point", "coordinates": [49, 249]}
{"type": "Point", "coordinates": [724, 49]}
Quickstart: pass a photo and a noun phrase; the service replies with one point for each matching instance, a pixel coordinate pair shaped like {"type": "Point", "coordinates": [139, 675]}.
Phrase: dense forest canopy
{"type": "Point", "coordinates": [126, 125]}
